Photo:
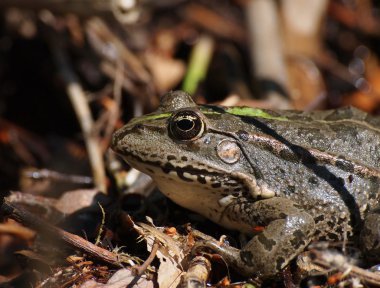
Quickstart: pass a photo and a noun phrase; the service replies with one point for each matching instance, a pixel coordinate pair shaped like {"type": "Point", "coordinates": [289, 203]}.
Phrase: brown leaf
{"type": "Point", "coordinates": [73, 201]}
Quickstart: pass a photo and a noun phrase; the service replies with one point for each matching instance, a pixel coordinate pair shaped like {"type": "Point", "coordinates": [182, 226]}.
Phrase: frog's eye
{"type": "Point", "coordinates": [186, 125]}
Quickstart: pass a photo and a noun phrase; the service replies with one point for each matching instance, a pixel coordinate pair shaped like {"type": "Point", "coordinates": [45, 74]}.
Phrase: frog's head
{"type": "Point", "coordinates": [185, 146]}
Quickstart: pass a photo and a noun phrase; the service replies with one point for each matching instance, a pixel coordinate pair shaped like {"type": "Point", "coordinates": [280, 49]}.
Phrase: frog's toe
{"type": "Point", "coordinates": [370, 235]}
{"type": "Point", "coordinates": [230, 255]}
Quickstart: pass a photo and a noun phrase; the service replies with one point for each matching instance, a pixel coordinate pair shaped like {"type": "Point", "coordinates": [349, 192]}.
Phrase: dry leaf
{"type": "Point", "coordinates": [121, 279]}
{"type": "Point", "coordinates": [73, 201]}
{"type": "Point", "coordinates": [170, 253]}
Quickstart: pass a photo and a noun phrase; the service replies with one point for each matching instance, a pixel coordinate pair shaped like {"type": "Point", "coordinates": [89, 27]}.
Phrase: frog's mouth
{"type": "Point", "coordinates": [204, 176]}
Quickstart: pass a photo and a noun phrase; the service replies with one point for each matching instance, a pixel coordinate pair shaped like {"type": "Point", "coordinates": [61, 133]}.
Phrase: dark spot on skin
{"type": "Point", "coordinates": [243, 135]}
{"type": "Point", "coordinates": [167, 168]}
{"type": "Point", "coordinates": [333, 236]}
{"type": "Point", "coordinates": [279, 262]}
{"type": "Point", "coordinates": [344, 164]}
{"type": "Point", "coordinates": [171, 157]}
{"type": "Point", "coordinates": [298, 241]}
{"type": "Point", "coordinates": [184, 158]}
{"type": "Point", "coordinates": [246, 257]}
{"type": "Point", "coordinates": [313, 180]}
{"type": "Point", "coordinates": [341, 220]}
{"type": "Point", "coordinates": [181, 176]}
{"type": "Point", "coordinates": [201, 179]}
{"type": "Point", "coordinates": [317, 233]}
{"type": "Point", "coordinates": [268, 243]}
{"type": "Point", "coordinates": [289, 190]}
{"type": "Point", "coordinates": [319, 218]}
{"type": "Point", "coordinates": [288, 155]}
{"type": "Point", "coordinates": [350, 178]}
{"type": "Point", "coordinates": [139, 126]}
{"type": "Point", "coordinates": [216, 185]}
{"type": "Point", "coordinates": [232, 184]}
{"type": "Point", "coordinates": [339, 230]}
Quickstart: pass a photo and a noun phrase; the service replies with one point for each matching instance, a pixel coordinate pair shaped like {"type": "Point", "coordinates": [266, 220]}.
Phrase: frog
{"type": "Point", "coordinates": [285, 177]}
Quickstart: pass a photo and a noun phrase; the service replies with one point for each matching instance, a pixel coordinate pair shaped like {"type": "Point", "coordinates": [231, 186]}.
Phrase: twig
{"type": "Point", "coordinates": [115, 109]}
{"type": "Point", "coordinates": [136, 78]}
{"type": "Point", "coordinates": [329, 260]}
{"type": "Point", "coordinates": [140, 269]}
{"type": "Point", "coordinates": [266, 50]}
{"type": "Point", "coordinates": [36, 223]}
{"type": "Point", "coordinates": [82, 110]}
{"type": "Point", "coordinates": [117, 50]}
{"type": "Point", "coordinates": [214, 23]}
{"type": "Point", "coordinates": [41, 174]}
{"type": "Point", "coordinates": [302, 19]}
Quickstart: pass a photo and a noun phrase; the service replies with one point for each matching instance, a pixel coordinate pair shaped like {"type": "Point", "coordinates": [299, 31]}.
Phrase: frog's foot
{"type": "Point", "coordinates": [370, 235]}
{"type": "Point", "coordinates": [270, 251]}
{"type": "Point", "coordinates": [288, 229]}
{"type": "Point", "coordinates": [282, 240]}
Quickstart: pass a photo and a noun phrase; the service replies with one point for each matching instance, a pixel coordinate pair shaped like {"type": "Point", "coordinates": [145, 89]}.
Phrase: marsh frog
{"type": "Point", "coordinates": [301, 176]}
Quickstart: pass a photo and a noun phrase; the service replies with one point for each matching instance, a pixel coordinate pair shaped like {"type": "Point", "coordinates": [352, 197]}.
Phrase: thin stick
{"type": "Point", "coordinates": [140, 269]}
{"type": "Point", "coordinates": [266, 50]}
{"type": "Point", "coordinates": [28, 219]}
{"type": "Point", "coordinates": [115, 111]}
{"type": "Point", "coordinates": [82, 110]}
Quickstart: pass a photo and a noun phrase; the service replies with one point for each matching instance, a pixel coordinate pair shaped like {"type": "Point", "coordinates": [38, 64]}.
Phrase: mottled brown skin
{"type": "Point", "coordinates": [303, 176]}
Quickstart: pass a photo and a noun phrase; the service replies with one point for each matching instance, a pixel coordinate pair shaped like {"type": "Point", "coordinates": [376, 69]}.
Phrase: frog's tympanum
{"type": "Point", "coordinates": [302, 176]}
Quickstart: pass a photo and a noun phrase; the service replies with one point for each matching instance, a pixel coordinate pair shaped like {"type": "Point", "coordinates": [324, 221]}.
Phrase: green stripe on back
{"type": "Point", "coordinates": [149, 117]}
{"type": "Point", "coordinates": [252, 112]}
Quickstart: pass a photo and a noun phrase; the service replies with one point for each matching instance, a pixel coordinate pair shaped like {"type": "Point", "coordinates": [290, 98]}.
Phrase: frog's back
{"type": "Point", "coordinates": [347, 132]}
{"type": "Point", "coordinates": [328, 162]}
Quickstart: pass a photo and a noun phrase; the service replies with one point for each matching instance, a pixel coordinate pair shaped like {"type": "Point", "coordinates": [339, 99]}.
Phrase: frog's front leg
{"type": "Point", "coordinates": [288, 229]}
{"type": "Point", "coordinates": [370, 235]}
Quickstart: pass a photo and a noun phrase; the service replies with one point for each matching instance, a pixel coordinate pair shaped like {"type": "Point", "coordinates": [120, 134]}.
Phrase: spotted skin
{"type": "Point", "coordinates": [302, 176]}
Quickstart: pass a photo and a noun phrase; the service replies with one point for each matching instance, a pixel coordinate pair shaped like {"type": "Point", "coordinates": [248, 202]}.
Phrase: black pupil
{"type": "Point", "coordinates": [185, 124]}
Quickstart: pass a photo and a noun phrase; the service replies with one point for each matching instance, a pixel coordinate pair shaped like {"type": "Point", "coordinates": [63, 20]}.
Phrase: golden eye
{"type": "Point", "coordinates": [186, 125]}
